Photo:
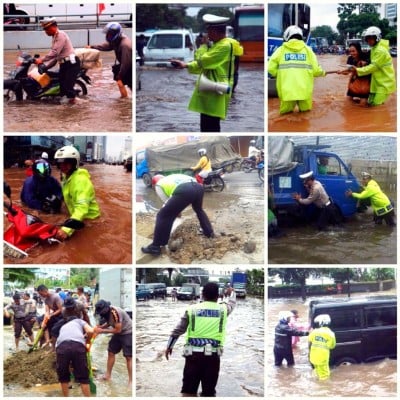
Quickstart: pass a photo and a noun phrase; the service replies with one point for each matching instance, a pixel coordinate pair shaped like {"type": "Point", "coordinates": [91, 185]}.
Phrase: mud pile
{"type": "Point", "coordinates": [28, 370]}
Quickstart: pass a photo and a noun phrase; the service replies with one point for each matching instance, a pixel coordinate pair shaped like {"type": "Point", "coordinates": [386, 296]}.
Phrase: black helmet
{"type": "Point", "coordinates": [41, 168]}
{"type": "Point", "coordinates": [102, 307]}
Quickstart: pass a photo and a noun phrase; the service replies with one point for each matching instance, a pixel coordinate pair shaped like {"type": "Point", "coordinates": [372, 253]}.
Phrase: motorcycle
{"type": "Point", "coordinates": [36, 85]}
{"type": "Point", "coordinates": [26, 230]}
{"type": "Point", "coordinates": [248, 165]}
{"type": "Point", "coordinates": [214, 181]}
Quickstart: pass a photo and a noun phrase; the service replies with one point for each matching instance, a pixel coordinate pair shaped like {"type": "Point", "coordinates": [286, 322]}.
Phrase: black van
{"type": "Point", "coordinates": [157, 290]}
{"type": "Point", "coordinates": [365, 328]}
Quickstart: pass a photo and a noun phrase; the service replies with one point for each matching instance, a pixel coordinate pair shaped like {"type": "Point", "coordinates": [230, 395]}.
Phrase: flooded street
{"type": "Point", "coordinates": [242, 364]}
{"type": "Point", "coordinates": [332, 111]}
{"type": "Point", "coordinates": [103, 110]}
{"type": "Point", "coordinates": [377, 379]}
{"type": "Point", "coordinates": [243, 197]}
{"type": "Point", "coordinates": [358, 241]}
{"type": "Point", "coordinates": [162, 103]}
{"type": "Point", "coordinates": [107, 240]}
{"type": "Point", "coordinates": [116, 388]}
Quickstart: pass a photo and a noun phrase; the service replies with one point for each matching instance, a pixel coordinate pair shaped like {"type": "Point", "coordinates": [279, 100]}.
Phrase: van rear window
{"type": "Point", "coordinates": [166, 41]}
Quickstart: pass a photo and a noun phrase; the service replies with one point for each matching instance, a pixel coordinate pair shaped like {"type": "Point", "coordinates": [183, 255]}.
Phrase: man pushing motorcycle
{"type": "Point", "coordinates": [62, 52]}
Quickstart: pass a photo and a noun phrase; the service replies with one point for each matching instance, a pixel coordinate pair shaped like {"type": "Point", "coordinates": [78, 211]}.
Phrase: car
{"type": "Point", "coordinates": [164, 45]}
{"type": "Point", "coordinates": [157, 290]}
{"type": "Point", "coordinates": [365, 328]}
{"type": "Point", "coordinates": [142, 292]}
{"type": "Point", "coordinates": [186, 293]}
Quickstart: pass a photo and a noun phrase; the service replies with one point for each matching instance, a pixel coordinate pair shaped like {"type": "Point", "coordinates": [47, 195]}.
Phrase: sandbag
{"type": "Point", "coordinates": [89, 58]}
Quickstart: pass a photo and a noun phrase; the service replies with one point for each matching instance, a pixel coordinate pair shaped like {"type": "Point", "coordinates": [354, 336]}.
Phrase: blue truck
{"type": "Point", "coordinates": [287, 161]}
{"type": "Point", "coordinates": [238, 282]}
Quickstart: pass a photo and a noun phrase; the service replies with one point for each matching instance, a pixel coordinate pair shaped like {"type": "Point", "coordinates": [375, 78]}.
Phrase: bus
{"type": "Point", "coordinates": [249, 31]}
{"type": "Point", "coordinates": [281, 16]}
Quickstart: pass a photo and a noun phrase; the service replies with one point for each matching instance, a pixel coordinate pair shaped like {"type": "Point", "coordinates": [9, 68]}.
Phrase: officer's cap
{"type": "Point", "coordinates": [215, 21]}
{"type": "Point", "coordinates": [47, 22]}
{"type": "Point", "coordinates": [307, 175]}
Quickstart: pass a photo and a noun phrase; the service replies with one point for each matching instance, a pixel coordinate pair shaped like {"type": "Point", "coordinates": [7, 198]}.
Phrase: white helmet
{"type": "Point", "coordinates": [284, 316]}
{"type": "Point", "coordinates": [45, 155]}
{"type": "Point", "coordinates": [322, 320]}
{"type": "Point", "coordinates": [291, 31]}
{"type": "Point", "coordinates": [67, 153]}
{"type": "Point", "coordinates": [202, 152]}
{"type": "Point", "coordinates": [373, 31]}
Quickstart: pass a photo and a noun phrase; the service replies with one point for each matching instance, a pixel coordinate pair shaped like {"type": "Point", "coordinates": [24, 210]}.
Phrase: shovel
{"type": "Point", "coordinates": [92, 385]}
{"type": "Point", "coordinates": [39, 334]}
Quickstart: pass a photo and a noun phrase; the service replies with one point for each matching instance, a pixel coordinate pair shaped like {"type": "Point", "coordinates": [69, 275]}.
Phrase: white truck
{"type": "Point", "coordinates": [116, 287]}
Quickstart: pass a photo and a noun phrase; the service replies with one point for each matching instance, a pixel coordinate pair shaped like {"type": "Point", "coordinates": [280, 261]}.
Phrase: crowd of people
{"type": "Point", "coordinates": [68, 329]}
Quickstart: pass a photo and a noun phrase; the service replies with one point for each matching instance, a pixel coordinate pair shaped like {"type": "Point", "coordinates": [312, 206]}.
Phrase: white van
{"type": "Point", "coordinates": [166, 44]}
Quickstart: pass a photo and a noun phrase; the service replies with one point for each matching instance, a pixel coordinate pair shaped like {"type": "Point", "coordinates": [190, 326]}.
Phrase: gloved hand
{"type": "Point", "coordinates": [42, 68]}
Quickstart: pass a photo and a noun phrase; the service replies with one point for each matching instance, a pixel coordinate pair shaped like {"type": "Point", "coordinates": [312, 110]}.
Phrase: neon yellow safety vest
{"type": "Point", "coordinates": [379, 201]}
{"type": "Point", "coordinates": [294, 65]}
{"type": "Point", "coordinates": [207, 320]}
{"type": "Point", "coordinates": [322, 341]}
{"type": "Point", "coordinates": [383, 78]}
{"type": "Point", "coordinates": [169, 183]}
{"type": "Point", "coordinates": [79, 197]}
{"type": "Point", "coordinates": [215, 65]}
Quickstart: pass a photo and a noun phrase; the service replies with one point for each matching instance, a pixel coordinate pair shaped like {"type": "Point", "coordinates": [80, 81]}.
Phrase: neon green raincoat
{"type": "Point", "coordinates": [215, 65]}
{"type": "Point", "coordinates": [79, 197]}
{"type": "Point", "coordinates": [381, 69]}
{"type": "Point", "coordinates": [294, 65]}
{"type": "Point", "coordinates": [379, 201]}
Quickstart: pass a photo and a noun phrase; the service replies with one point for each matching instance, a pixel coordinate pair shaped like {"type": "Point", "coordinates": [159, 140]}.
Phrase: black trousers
{"type": "Point", "coordinates": [388, 218]}
{"type": "Point", "coordinates": [184, 195]}
{"type": "Point", "coordinates": [281, 355]}
{"type": "Point", "coordinates": [209, 123]}
{"type": "Point", "coordinates": [68, 74]}
{"type": "Point", "coordinates": [203, 369]}
{"type": "Point", "coordinates": [328, 215]}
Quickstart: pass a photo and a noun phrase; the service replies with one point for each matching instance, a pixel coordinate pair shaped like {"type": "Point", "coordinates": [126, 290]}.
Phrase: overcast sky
{"type": "Point", "coordinates": [114, 145]}
{"type": "Point", "coordinates": [324, 14]}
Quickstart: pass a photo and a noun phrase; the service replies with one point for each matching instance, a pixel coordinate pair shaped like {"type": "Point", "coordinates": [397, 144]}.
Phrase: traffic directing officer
{"type": "Point", "coordinates": [217, 64]}
{"type": "Point", "coordinates": [205, 327]}
{"type": "Point", "coordinates": [381, 204]}
{"type": "Point", "coordinates": [294, 65]}
{"type": "Point", "coordinates": [176, 191]}
{"type": "Point", "coordinates": [62, 52]}
{"type": "Point", "coordinates": [321, 341]}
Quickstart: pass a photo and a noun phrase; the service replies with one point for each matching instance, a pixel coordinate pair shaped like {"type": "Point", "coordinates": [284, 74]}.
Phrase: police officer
{"type": "Point", "coordinates": [217, 64]}
{"type": "Point", "coordinates": [321, 341]}
{"type": "Point", "coordinates": [318, 196]}
{"type": "Point", "coordinates": [205, 327]}
{"type": "Point", "coordinates": [383, 79]}
{"type": "Point", "coordinates": [283, 339]}
{"type": "Point", "coordinates": [294, 65]}
{"type": "Point", "coordinates": [62, 52]}
{"type": "Point", "coordinates": [381, 204]}
{"type": "Point", "coordinates": [177, 191]}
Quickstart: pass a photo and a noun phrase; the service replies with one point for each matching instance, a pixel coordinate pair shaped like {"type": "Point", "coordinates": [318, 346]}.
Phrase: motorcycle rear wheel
{"type": "Point", "coordinates": [246, 167]}
{"type": "Point", "coordinates": [217, 184]}
{"type": "Point", "coordinates": [80, 88]}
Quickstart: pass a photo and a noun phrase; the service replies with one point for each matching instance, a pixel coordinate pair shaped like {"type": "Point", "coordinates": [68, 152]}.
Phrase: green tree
{"type": "Point", "coordinates": [24, 276]}
{"type": "Point", "coordinates": [159, 16]}
{"type": "Point", "coordinates": [325, 31]}
{"type": "Point", "coordinates": [255, 282]}
{"type": "Point", "coordinates": [341, 275]}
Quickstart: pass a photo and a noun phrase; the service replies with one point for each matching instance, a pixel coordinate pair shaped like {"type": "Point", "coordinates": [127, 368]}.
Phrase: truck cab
{"type": "Point", "coordinates": [328, 168]}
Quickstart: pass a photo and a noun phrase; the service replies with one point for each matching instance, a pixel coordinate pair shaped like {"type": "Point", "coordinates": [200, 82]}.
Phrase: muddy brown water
{"type": "Point", "coordinates": [162, 103]}
{"type": "Point", "coordinates": [242, 364]}
{"type": "Point", "coordinates": [107, 240]}
{"type": "Point", "coordinates": [332, 110]}
{"type": "Point", "coordinates": [102, 111]}
{"type": "Point", "coordinates": [377, 379]}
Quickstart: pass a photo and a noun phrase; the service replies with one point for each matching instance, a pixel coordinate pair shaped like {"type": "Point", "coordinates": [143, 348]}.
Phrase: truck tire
{"type": "Point", "coordinates": [147, 180]}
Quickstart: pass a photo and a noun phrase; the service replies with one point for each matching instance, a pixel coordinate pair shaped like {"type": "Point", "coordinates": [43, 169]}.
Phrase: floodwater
{"type": "Point", "coordinates": [161, 105]}
{"type": "Point", "coordinates": [117, 387]}
{"type": "Point", "coordinates": [102, 111]}
{"type": "Point", "coordinates": [377, 379]}
{"type": "Point", "coordinates": [106, 240]}
{"type": "Point", "coordinates": [242, 364]}
{"type": "Point", "coordinates": [358, 241]}
{"type": "Point", "coordinates": [332, 111]}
